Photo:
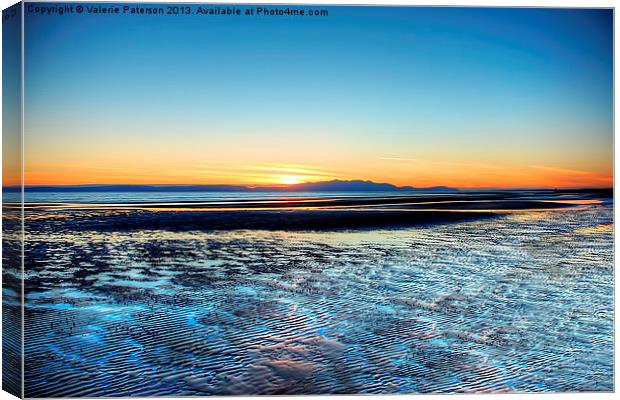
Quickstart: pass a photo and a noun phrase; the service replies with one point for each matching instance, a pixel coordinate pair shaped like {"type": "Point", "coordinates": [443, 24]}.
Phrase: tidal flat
{"type": "Point", "coordinates": [506, 296]}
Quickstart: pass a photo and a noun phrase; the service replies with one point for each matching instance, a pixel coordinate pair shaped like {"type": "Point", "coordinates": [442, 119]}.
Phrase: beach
{"type": "Point", "coordinates": [396, 296]}
{"type": "Point", "coordinates": [296, 213]}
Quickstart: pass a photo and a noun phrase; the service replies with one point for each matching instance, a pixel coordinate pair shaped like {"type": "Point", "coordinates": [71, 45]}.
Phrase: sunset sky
{"type": "Point", "coordinates": [468, 98]}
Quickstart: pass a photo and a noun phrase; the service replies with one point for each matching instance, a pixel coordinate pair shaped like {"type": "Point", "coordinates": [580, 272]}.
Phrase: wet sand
{"type": "Point", "coordinates": [506, 200]}
{"type": "Point", "coordinates": [306, 214]}
{"type": "Point", "coordinates": [310, 220]}
{"type": "Point", "coordinates": [445, 308]}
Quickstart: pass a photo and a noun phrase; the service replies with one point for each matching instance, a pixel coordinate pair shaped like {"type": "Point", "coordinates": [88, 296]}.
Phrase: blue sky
{"type": "Point", "coordinates": [509, 88]}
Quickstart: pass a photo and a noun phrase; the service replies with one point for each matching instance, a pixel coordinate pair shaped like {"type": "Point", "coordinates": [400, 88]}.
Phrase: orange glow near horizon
{"type": "Point", "coordinates": [291, 179]}
{"type": "Point", "coordinates": [397, 171]}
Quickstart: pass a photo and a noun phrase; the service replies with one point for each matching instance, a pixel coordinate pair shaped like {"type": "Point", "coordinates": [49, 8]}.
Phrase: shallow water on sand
{"type": "Point", "coordinates": [522, 302]}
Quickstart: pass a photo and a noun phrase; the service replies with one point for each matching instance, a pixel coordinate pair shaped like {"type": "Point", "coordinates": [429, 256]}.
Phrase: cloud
{"type": "Point", "coordinates": [563, 170]}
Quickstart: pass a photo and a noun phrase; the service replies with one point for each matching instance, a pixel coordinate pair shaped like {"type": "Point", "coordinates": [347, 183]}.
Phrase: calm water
{"type": "Point", "coordinates": [517, 303]}
{"type": "Point", "coordinates": [129, 197]}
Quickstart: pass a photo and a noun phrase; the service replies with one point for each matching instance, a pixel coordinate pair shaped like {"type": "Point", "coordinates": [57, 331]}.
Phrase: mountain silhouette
{"type": "Point", "coordinates": [360, 186]}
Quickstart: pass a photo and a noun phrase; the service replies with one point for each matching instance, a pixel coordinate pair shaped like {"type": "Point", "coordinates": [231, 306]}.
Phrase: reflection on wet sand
{"type": "Point", "coordinates": [504, 302]}
{"type": "Point", "coordinates": [503, 200]}
{"type": "Point", "coordinates": [327, 214]}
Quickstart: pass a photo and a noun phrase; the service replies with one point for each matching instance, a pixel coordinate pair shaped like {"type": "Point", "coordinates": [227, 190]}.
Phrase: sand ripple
{"type": "Point", "coordinates": [518, 303]}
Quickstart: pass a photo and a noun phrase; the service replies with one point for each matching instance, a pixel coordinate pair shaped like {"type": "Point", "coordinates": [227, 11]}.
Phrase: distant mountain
{"type": "Point", "coordinates": [346, 186]}
{"type": "Point", "coordinates": [360, 186]}
{"type": "Point", "coordinates": [329, 186]}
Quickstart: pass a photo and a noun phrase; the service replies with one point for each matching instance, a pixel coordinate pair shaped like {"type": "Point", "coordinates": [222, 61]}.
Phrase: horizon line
{"type": "Point", "coordinates": [284, 186]}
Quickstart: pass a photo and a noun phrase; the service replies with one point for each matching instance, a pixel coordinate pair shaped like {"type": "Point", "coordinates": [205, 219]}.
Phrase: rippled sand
{"type": "Point", "coordinates": [521, 302]}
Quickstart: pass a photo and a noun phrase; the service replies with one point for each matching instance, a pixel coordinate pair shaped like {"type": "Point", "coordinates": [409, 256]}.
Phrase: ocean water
{"type": "Point", "coordinates": [143, 197]}
{"type": "Point", "coordinates": [522, 302]}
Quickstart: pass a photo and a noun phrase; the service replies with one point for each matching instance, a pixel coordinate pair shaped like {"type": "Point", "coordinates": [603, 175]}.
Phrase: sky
{"type": "Point", "coordinates": [11, 97]}
{"type": "Point", "coordinates": [461, 97]}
